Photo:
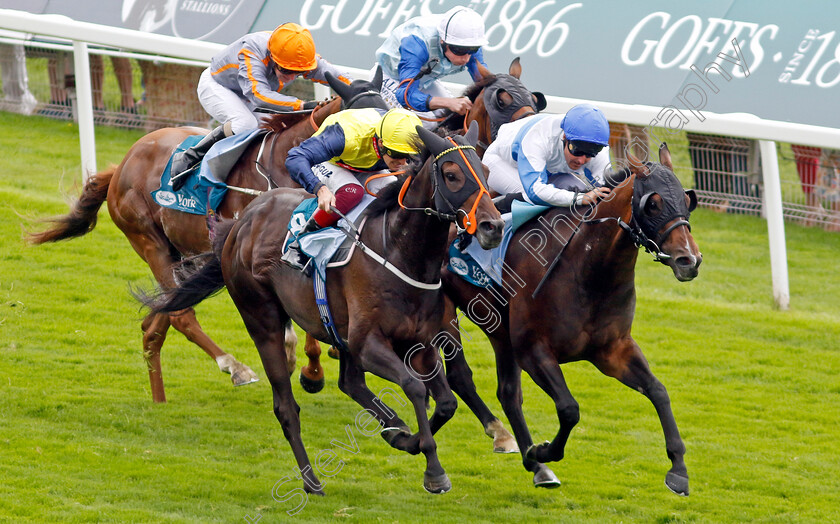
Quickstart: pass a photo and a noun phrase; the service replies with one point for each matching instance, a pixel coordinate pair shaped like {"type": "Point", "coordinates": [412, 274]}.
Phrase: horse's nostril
{"type": "Point", "coordinates": [685, 261]}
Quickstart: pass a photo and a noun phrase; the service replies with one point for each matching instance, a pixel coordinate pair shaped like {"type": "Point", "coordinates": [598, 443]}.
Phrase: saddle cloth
{"type": "Point", "coordinates": [482, 267]}
{"type": "Point", "coordinates": [204, 187]}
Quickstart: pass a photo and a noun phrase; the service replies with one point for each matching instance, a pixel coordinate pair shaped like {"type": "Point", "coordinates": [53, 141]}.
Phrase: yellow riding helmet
{"type": "Point", "coordinates": [291, 47]}
{"type": "Point", "coordinates": [398, 131]}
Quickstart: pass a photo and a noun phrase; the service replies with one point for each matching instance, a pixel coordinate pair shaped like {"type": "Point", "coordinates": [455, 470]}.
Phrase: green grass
{"type": "Point", "coordinates": [755, 392]}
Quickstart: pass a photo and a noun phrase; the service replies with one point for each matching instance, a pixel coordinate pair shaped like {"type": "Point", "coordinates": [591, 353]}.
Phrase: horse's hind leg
{"type": "Point", "coordinates": [265, 322]}
{"type": "Point", "coordinates": [633, 371]}
{"type": "Point", "coordinates": [186, 322]}
{"type": "Point", "coordinates": [154, 327]}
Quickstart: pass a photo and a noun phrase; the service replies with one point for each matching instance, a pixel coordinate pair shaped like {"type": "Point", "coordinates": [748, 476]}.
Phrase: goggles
{"type": "Point", "coordinates": [581, 148]}
{"type": "Point", "coordinates": [399, 155]}
{"type": "Point", "coordinates": [284, 71]}
{"type": "Point", "coordinates": [461, 50]}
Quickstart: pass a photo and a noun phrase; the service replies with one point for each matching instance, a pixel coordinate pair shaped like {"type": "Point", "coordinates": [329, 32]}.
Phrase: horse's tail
{"type": "Point", "coordinates": [196, 284]}
{"type": "Point", "coordinates": [82, 215]}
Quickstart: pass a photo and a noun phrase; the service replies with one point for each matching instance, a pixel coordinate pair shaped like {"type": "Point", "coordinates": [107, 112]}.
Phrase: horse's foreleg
{"type": "Point", "coordinates": [312, 374]}
{"type": "Point", "coordinates": [154, 327]}
{"type": "Point", "coordinates": [509, 392]}
{"type": "Point", "coordinates": [634, 372]}
{"type": "Point", "coordinates": [351, 380]}
{"type": "Point", "coordinates": [459, 375]}
{"type": "Point", "coordinates": [546, 373]}
{"type": "Point", "coordinates": [378, 357]}
{"type": "Point", "coordinates": [186, 322]}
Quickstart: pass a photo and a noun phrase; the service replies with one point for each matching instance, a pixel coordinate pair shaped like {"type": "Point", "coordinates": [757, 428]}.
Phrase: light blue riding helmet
{"type": "Point", "coordinates": [586, 123]}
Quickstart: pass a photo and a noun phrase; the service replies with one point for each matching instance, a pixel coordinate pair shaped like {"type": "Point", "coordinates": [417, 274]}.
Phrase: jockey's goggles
{"type": "Point", "coordinates": [461, 50]}
{"type": "Point", "coordinates": [284, 71]}
{"type": "Point", "coordinates": [399, 155]}
{"type": "Point", "coordinates": [581, 148]}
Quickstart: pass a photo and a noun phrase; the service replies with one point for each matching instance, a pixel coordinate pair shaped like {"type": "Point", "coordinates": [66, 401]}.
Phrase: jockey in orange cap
{"type": "Point", "coordinates": [248, 75]}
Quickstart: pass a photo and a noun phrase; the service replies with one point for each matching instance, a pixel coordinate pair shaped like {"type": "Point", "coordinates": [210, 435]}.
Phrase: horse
{"type": "Point", "coordinates": [163, 236]}
{"type": "Point", "coordinates": [580, 305]}
{"type": "Point", "coordinates": [508, 100]}
{"type": "Point", "coordinates": [386, 303]}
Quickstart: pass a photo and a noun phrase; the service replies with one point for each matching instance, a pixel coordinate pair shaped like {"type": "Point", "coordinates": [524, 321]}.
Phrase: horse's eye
{"type": "Point", "coordinates": [653, 206]}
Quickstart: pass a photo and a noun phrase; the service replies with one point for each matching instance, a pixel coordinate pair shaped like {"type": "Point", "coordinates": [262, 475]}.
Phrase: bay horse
{"type": "Point", "coordinates": [162, 236]}
{"type": "Point", "coordinates": [568, 294]}
{"type": "Point", "coordinates": [386, 317]}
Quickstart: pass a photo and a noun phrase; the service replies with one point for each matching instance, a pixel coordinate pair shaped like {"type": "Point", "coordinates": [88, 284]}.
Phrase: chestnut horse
{"type": "Point", "coordinates": [163, 236]}
{"type": "Point", "coordinates": [568, 294]}
{"type": "Point", "coordinates": [386, 313]}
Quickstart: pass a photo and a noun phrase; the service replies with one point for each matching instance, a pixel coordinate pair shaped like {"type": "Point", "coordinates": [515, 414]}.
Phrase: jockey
{"type": "Point", "coordinates": [349, 147]}
{"type": "Point", "coordinates": [552, 160]}
{"type": "Point", "coordinates": [446, 44]}
{"type": "Point", "coordinates": [248, 75]}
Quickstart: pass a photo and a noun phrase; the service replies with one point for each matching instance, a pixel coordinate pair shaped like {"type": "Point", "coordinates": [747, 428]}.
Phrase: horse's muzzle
{"type": "Point", "coordinates": [489, 233]}
{"type": "Point", "coordinates": [686, 267]}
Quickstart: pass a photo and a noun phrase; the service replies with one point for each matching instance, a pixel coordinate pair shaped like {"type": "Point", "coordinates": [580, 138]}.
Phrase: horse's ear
{"type": "Point", "coordinates": [472, 133]}
{"type": "Point", "coordinates": [515, 68]}
{"type": "Point", "coordinates": [483, 71]}
{"type": "Point", "coordinates": [338, 86]}
{"type": "Point", "coordinates": [434, 143]}
{"type": "Point", "coordinates": [377, 78]}
{"type": "Point", "coordinates": [665, 156]}
{"type": "Point", "coordinates": [540, 100]}
{"type": "Point", "coordinates": [637, 166]}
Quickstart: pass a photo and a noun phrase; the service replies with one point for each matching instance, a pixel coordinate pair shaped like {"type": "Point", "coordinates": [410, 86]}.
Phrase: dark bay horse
{"type": "Point", "coordinates": [163, 236]}
{"type": "Point", "coordinates": [387, 318]}
{"type": "Point", "coordinates": [568, 295]}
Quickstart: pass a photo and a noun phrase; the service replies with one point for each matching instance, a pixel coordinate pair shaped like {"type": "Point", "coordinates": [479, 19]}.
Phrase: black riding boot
{"type": "Point", "coordinates": [293, 255]}
{"type": "Point", "coordinates": [185, 162]}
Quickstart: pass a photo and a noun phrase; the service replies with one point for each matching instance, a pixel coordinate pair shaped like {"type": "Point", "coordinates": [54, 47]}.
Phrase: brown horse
{"type": "Point", "coordinates": [386, 318]}
{"type": "Point", "coordinates": [163, 236]}
{"type": "Point", "coordinates": [508, 98]}
{"type": "Point", "coordinates": [568, 294]}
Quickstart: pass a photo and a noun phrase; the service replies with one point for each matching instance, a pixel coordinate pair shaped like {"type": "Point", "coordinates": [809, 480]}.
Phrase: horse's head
{"type": "Point", "coordinates": [460, 187]}
{"type": "Point", "coordinates": [360, 94]}
{"type": "Point", "coordinates": [661, 210]}
{"type": "Point", "coordinates": [497, 99]}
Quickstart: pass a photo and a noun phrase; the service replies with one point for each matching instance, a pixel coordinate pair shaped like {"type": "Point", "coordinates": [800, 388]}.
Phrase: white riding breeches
{"type": "Point", "coordinates": [225, 105]}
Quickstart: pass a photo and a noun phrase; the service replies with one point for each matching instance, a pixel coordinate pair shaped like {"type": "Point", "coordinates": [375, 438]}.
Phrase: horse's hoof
{"type": "Point", "coordinates": [533, 451]}
{"type": "Point", "coordinates": [391, 434]}
{"type": "Point", "coordinates": [333, 352]}
{"type": "Point", "coordinates": [243, 376]}
{"type": "Point", "coordinates": [311, 386]}
{"type": "Point", "coordinates": [436, 485]}
{"type": "Point", "coordinates": [503, 441]}
{"type": "Point", "coordinates": [677, 483]}
{"type": "Point", "coordinates": [311, 491]}
{"type": "Point", "coordinates": [545, 478]}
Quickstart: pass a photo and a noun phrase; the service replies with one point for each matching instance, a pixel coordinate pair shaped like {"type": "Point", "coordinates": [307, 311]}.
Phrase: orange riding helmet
{"type": "Point", "coordinates": [291, 47]}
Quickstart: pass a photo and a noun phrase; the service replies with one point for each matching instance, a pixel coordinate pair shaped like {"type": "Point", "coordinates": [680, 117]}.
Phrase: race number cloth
{"type": "Point", "coordinates": [321, 245]}
{"type": "Point", "coordinates": [482, 267]}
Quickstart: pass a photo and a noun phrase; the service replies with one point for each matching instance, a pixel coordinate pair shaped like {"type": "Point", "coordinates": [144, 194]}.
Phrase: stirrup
{"type": "Point", "coordinates": [294, 258]}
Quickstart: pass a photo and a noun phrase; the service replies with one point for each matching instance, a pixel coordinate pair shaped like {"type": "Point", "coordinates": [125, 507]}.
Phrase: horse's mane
{"type": "Point", "coordinates": [388, 196]}
{"type": "Point", "coordinates": [282, 121]}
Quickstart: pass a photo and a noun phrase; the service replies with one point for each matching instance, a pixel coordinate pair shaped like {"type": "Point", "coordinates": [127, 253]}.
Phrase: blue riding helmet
{"type": "Point", "coordinates": [586, 123]}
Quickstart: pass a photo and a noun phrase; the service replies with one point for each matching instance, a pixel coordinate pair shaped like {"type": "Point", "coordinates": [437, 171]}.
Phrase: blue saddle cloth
{"type": "Point", "coordinates": [483, 267]}
{"type": "Point", "coordinates": [204, 187]}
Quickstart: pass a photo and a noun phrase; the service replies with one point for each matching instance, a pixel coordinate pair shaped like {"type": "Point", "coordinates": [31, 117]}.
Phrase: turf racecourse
{"type": "Point", "coordinates": [756, 392]}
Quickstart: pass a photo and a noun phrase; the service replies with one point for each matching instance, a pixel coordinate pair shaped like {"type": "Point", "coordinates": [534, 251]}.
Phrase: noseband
{"type": "Point", "coordinates": [444, 197]}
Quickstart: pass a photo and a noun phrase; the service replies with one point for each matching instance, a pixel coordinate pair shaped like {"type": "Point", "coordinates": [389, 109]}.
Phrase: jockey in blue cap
{"type": "Point", "coordinates": [552, 160]}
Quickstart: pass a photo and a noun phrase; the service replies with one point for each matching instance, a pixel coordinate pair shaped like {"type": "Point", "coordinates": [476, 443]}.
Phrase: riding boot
{"type": "Point", "coordinates": [293, 256]}
{"type": "Point", "coordinates": [185, 162]}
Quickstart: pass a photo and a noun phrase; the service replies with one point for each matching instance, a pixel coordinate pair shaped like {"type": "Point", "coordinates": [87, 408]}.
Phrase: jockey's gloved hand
{"type": "Point", "coordinates": [309, 105]}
